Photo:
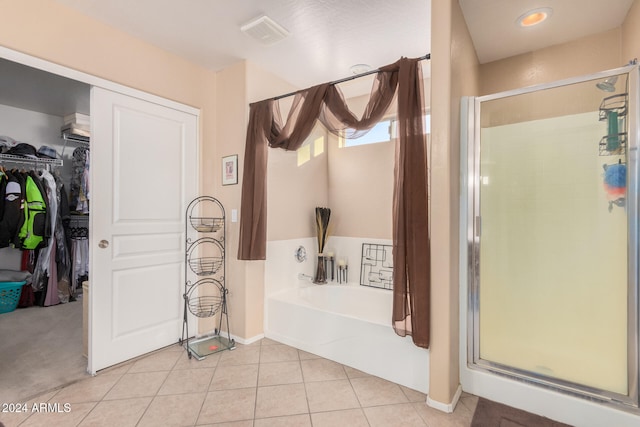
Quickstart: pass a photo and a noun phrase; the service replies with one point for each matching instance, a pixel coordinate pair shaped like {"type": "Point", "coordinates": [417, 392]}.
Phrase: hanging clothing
{"type": "Point", "coordinates": [35, 218]}
{"type": "Point", "coordinates": [62, 258]}
{"type": "Point", "coordinates": [52, 297]}
{"type": "Point", "coordinates": [79, 191]}
{"type": "Point", "coordinates": [12, 214]}
{"type": "Point", "coordinates": [33, 234]}
{"type": "Point", "coordinates": [43, 264]}
{"type": "Point", "coordinates": [80, 255]}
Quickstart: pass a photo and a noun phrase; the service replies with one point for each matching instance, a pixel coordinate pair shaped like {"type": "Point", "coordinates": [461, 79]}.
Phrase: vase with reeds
{"type": "Point", "coordinates": [322, 230]}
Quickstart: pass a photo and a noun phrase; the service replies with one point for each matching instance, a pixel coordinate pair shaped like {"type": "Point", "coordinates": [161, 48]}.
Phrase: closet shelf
{"type": "Point", "coordinates": [28, 161]}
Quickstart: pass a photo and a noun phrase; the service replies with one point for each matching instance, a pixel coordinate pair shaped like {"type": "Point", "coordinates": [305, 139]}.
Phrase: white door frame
{"type": "Point", "coordinates": [70, 73]}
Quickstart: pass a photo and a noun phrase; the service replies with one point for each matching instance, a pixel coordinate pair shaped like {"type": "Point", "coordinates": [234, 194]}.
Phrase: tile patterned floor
{"type": "Point", "coordinates": [259, 385]}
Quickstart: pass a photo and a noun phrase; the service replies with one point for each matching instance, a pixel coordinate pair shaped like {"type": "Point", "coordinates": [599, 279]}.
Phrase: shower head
{"type": "Point", "coordinates": [608, 85]}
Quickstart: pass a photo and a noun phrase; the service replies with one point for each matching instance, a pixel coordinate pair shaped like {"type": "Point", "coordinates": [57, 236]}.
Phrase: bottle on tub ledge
{"type": "Point", "coordinates": [329, 266]}
{"type": "Point", "coordinates": [343, 271]}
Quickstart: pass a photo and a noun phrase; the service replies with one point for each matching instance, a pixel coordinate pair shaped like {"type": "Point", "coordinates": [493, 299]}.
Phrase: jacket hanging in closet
{"type": "Point", "coordinates": [36, 228]}
{"type": "Point", "coordinates": [24, 223]}
{"type": "Point", "coordinates": [11, 214]}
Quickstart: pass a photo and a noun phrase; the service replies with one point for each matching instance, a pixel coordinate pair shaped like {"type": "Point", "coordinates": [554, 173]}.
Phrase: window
{"type": "Point", "coordinates": [383, 131]}
{"type": "Point", "coordinates": [311, 148]}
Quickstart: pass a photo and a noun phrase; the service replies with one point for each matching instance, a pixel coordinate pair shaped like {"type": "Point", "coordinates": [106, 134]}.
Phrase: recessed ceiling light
{"type": "Point", "coordinates": [360, 68]}
{"type": "Point", "coordinates": [534, 17]}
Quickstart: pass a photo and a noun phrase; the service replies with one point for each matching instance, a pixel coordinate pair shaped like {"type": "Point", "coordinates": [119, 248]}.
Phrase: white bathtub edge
{"type": "Point", "coordinates": [421, 383]}
{"type": "Point", "coordinates": [446, 407]}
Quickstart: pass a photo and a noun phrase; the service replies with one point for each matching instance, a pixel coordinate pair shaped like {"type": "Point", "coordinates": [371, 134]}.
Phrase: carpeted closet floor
{"type": "Point", "coordinates": [40, 349]}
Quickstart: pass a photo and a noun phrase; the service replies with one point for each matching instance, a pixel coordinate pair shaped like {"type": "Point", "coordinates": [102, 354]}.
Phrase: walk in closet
{"type": "Point", "coordinates": [33, 106]}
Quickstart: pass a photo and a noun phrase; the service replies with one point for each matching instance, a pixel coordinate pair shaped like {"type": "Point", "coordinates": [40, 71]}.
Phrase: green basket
{"type": "Point", "coordinates": [10, 295]}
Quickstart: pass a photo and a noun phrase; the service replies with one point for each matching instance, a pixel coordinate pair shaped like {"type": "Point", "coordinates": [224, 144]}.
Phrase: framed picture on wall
{"type": "Point", "coordinates": [230, 170]}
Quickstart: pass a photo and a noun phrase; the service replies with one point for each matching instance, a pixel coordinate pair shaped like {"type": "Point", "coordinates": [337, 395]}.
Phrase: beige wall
{"type": "Point", "coordinates": [361, 189]}
{"type": "Point", "coordinates": [454, 69]}
{"type": "Point", "coordinates": [238, 86]}
{"type": "Point", "coordinates": [583, 56]}
{"type": "Point", "coordinates": [631, 33]}
{"type": "Point", "coordinates": [295, 190]}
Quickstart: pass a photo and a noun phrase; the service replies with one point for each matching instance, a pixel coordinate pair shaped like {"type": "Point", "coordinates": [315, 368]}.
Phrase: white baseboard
{"type": "Point", "coordinates": [446, 407]}
{"type": "Point", "coordinates": [247, 341]}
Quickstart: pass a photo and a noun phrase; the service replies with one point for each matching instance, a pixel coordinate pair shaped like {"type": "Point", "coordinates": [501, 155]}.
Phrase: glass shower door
{"type": "Point", "coordinates": [554, 237]}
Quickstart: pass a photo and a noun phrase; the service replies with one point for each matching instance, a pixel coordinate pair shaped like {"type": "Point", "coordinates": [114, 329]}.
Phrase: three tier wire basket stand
{"type": "Point", "coordinates": [205, 292]}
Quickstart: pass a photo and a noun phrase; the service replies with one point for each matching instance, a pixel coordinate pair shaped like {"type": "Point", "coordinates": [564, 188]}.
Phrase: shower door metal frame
{"type": "Point", "coordinates": [631, 401]}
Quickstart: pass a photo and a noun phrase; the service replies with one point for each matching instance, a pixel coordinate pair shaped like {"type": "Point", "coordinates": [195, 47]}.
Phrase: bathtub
{"type": "Point", "coordinates": [349, 324]}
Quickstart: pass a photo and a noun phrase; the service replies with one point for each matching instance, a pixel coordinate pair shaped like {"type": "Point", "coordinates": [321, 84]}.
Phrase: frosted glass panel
{"type": "Point", "coordinates": [553, 247]}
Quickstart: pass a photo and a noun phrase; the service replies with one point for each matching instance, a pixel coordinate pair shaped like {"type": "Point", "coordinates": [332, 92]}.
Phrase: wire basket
{"type": "Point", "coordinates": [613, 145]}
{"type": "Point", "coordinates": [205, 266]}
{"type": "Point", "coordinates": [206, 224]}
{"type": "Point", "coordinates": [206, 306]}
{"type": "Point", "coordinates": [205, 256]}
{"type": "Point", "coordinates": [209, 300]}
{"type": "Point", "coordinates": [10, 295]}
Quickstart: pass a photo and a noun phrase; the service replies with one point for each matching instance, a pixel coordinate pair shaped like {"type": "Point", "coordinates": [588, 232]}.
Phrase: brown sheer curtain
{"type": "Point", "coordinates": [411, 253]}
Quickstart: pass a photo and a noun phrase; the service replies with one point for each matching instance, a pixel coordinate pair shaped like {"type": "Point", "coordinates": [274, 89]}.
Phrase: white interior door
{"type": "Point", "coordinates": [144, 172]}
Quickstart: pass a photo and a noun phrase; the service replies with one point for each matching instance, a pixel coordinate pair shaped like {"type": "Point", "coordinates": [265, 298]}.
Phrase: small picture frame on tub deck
{"type": "Point", "coordinates": [230, 170]}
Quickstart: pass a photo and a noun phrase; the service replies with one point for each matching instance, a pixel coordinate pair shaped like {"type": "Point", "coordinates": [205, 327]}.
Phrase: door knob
{"type": "Point", "coordinates": [103, 244]}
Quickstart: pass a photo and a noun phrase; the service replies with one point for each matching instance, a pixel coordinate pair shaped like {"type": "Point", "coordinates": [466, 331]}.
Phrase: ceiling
{"type": "Point", "coordinates": [327, 37]}
{"type": "Point", "coordinates": [496, 35]}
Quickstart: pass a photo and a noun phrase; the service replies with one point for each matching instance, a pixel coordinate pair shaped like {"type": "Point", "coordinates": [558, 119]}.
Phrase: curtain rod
{"type": "Point", "coordinates": [335, 82]}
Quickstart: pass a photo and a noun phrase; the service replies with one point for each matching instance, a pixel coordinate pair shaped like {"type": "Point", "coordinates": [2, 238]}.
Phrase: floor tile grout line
{"type": "Point", "coordinates": [158, 390]}
{"type": "Point", "coordinates": [304, 387]}
{"type": "Point", "coordinates": [206, 392]}
{"type": "Point", "coordinates": [255, 402]}
{"type": "Point", "coordinates": [103, 396]}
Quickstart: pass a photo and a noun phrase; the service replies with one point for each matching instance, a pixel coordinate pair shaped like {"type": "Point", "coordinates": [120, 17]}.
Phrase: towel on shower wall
{"type": "Point", "coordinates": [613, 141]}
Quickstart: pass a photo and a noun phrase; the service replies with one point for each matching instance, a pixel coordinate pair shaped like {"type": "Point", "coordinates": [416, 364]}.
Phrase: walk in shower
{"type": "Point", "coordinates": [551, 222]}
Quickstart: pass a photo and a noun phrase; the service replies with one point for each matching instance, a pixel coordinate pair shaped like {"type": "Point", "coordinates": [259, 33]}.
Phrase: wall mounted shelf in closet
{"type": "Point", "coordinates": [28, 161]}
{"type": "Point", "coordinates": [76, 139]}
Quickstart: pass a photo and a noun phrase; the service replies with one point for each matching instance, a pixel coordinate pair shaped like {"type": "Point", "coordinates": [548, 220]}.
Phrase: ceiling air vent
{"type": "Point", "coordinates": [265, 30]}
